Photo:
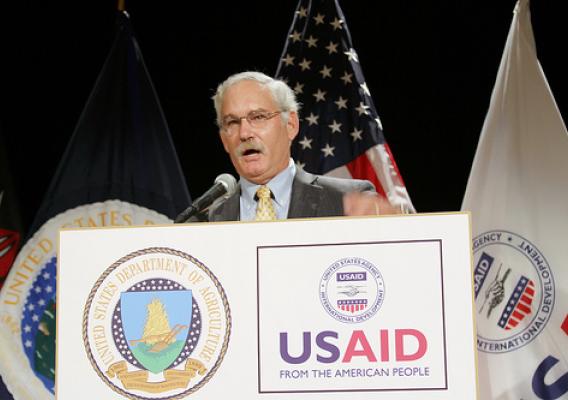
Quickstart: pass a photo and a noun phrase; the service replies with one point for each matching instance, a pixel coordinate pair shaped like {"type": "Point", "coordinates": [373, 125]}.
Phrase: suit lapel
{"type": "Point", "coordinates": [305, 196]}
{"type": "Point", "coordinates": [229, 210]}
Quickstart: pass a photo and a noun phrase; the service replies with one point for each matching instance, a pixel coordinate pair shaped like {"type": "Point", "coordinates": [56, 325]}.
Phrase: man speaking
{"type": "Point", "coordinates": [258, 119]}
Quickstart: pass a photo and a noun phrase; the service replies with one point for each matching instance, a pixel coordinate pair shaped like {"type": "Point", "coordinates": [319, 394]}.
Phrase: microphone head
{"type": "Point", "coordinates": [229, 182]}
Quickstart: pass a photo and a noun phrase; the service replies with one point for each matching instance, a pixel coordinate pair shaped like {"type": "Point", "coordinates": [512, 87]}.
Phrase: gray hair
{"type": "Point", "coordinates": [282, 94]}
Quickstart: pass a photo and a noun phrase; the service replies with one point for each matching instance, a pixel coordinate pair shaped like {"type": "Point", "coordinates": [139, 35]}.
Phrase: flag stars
{"type": "Point", "coordinates": [319, 19]}
{"type": "Point", "coordinates": [347, 78]}
{"type": "Point", "coordinates": [306, 143]}
{"type": "Point", "coordinates": [320, 95]}
{"type": "Point", "coordinates": [356, 134]}
{"type": "Point", "coordinates": [300, 165]}
{"type": "Point", "coordinates": [336, 23]}
{"type": "Point", "coordinates": [37, 289]}
{"type": "Point", "coordinates": [312, 41]}
{"type": "Point", "coordinates": [27, 329]}
{"type": "Point", "coordinates": [302, 12]}
{"type": "Point", "coordinates": [28, 343]}
{"type": "Point", "coordinates": [362, 109]}
{"type": "Point", "coordinates": [35, 318]}
{"type": "Point", "coordinates": [295, 36]}
{"type": "Point", "coordinates": [312, 119]}
{"type": "Point", "coordinates": [331, 47]}
{"type": "Point", "coordinates": [341, 103]}
{"type": "Point", "coordinates": [365, 88]}
{"type": "Point", "coordinates": [288, 60]}
{"type": "Point", "coordinates": [31, 307]}
{"type": "Point", "coordinates": [335, 127]}
{"type": "Point", "coordinates": [48, 289]}
{"type": "Point", "coordinates": [325, 72]}
{"type": "Point", "coordinates": [351, 55]}
{"type": "Point", "coordinates": [328, 150]}
{"type": "Point", "coordinates": [299, 88]}
{"type": "Point", "coordinates": [305, 64]}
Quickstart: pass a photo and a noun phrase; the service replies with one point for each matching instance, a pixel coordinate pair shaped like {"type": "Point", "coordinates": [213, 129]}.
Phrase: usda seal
{"type": "Point", "coordinates": [352, 290]}
{"type": "Point", "coordinates": [156, 325]}
{"type": "Point", "coordinates": [514, 291]}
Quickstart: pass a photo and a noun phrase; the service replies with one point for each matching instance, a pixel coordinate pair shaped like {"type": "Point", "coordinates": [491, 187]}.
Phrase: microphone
{"type": "Point", "coordinates": [225, 184]}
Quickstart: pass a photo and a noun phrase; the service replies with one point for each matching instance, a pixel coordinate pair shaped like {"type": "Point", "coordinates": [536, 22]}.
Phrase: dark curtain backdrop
{"type": "Point", "coordinates": [430, 67]}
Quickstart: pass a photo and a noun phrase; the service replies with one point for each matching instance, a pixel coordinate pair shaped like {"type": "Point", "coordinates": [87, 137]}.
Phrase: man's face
{"type": "Point", "coordinates": [258, 154]}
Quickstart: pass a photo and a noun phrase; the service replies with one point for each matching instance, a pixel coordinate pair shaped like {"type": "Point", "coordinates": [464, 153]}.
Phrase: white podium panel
{"type": "Point", "coordinates": [365, 308]}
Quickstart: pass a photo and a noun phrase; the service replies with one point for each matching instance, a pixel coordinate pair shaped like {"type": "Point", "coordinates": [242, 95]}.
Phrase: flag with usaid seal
{"type": "Point", "coordinates": [119, 168]}
{"type": "Point", "coordinates": [341, 133]}
{"type": "Point", "coordinates": [518, 197]}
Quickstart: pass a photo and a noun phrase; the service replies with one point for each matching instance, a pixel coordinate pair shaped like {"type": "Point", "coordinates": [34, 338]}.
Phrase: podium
{"type": "Point", "coordinates": [358, 308]}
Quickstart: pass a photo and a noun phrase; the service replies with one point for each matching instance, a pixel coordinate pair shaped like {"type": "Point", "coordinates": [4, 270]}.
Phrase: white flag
{"type": "Point", "coordinates": [518, 197]}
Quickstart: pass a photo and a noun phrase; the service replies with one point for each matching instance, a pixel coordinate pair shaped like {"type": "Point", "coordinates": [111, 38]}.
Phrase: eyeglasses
{"type": "Point", "coordinates": [256, 119]}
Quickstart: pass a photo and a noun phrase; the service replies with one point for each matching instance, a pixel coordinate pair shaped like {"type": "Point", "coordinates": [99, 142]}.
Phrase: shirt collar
{"type": "Point", "coordinates": [280, 185]}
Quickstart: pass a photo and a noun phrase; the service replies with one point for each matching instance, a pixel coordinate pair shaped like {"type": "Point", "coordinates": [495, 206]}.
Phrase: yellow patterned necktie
{"type": "Point", "coordinates": [264, 208]}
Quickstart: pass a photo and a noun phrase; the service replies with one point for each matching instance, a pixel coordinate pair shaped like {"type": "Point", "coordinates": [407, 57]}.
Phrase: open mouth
{"type": "Point", "coordinates": [250, 152]}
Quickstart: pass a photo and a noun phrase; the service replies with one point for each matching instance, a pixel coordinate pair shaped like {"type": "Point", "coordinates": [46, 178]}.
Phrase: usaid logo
{"type": "Point", "coordinates": [352, 290]}
{"type": "Point", "coordinates": [350, 276]}
{"type": "Point", "coordinates": [514, 291]}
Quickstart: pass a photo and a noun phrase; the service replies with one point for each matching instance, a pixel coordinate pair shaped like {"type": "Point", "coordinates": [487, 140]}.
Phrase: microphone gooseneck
{"type": "Point", "coordinates": [225, 185]}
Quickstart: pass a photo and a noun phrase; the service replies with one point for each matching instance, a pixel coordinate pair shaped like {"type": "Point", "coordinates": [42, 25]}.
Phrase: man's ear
{"type": "Point", "coordinates": [293, 125]}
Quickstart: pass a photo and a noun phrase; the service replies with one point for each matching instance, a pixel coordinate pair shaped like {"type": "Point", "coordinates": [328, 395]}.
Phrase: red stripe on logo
{"type": "Point", "coordinates": [564, 326]}
{"type": "Point", "coordinates": [524, 308]}
{"type": "Point", "coordinates": [526, 299]}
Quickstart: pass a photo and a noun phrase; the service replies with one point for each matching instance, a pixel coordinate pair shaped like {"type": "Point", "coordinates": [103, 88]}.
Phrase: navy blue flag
{"type": "Point", "coordinates": [119, 168]}
{"type": "Point", "coordinates": [341, 133]}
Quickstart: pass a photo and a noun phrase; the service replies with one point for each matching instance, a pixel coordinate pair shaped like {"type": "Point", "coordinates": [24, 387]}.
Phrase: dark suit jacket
{"type": "Point", "coordinates": [312, 196]}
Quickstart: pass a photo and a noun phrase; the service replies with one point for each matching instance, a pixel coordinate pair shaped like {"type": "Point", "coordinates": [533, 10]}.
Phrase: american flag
{"type": "Point", "coordinates": [519, 304]}
{"type": "Point", "coordinates": [352, 306]}
{"type": "Point", "coordinates": [341, 133]}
